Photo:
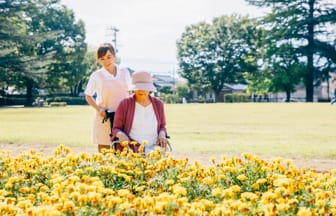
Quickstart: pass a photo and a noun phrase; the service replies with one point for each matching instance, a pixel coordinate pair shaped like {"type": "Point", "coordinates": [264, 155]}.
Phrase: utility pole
{"type": "Point", "coordinates": [114, 36]}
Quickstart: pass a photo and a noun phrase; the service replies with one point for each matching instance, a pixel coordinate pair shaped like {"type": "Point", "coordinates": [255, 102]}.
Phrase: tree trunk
{"type": "Point", "coordinates": [309, 78]}
{"type": "Point", "coordinates": [29, 95]}
{"type": "Point", "coordinates": [288, 96]}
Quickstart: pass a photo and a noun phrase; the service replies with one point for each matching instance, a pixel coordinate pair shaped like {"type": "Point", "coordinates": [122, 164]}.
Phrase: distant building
{"type": "Point", "coordinates": [163, 80]}
{"type": "Point", "coordinates": [227, 89]}
{"type": "Point", "coordinates": [323, 92]}
{"type": "Point", "coordinates": [234, 88]}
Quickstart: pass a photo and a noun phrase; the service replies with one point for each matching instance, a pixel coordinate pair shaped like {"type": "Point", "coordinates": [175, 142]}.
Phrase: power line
{"type": "Point", "coordinates": [114, 32]}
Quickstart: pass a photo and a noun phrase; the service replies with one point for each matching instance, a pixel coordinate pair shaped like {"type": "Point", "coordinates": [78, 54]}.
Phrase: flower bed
{"type": "Point", "coordinates": [130, 184]}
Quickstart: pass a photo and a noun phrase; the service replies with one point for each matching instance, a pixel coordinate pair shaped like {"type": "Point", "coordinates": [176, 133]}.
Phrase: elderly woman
{"type": "Point", "coordinates": [141, 117]}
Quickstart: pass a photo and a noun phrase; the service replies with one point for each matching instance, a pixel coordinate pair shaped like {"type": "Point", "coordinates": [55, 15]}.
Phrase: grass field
{"type": "Point", "coordinates": [304, 130]}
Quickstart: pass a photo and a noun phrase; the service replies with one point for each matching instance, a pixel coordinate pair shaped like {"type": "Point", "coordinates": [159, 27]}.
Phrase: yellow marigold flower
{"type": "Point", "coordinates": [261, 181]}
{"type": "Point", "coordinates": [268, 197]}
{"type": "Point", "coordinates": [222, 176]}
{"type": "Point", "coordinates": [68, 205]}
{"type": "Point", "coordinates": [12, 180]}
{"type": "Point", "coordinates": [10, 200]}
{"type": "Point", "coordinates": [3, 192]}
{"type": "Point", "coordinates": [123, 192]}
{"type": "Point", "coordinates": [57, 206]}
{"type": "Point", "coordinates": [197, 163]}
{"type": "Point", "coordinates": [74, 195]}
{"type": "Point", "coordinates": [320, 203]}
{"type": "Point", "coordinates": [213, 160]}
{"type": "Point", "coordinates": [304, 211]}
{"type": "Point", "coordinates": [217, 191]}
{"type": "Point", "coordinates": [292, 202]}
{"type": "Point", "coordinates": [248, 196]}
{"type": "Point", "coordinates": [333, 203]}
{"type": "Point", "coordinates": [44, 188]}
{"type": "Point", "coordinates": [244, 207]}
{"type": "Point", "coordinates": [9, 185]}
{"type": "Point", "coordinates": [141, 148]}
{"type": "Point", "coordinates": [282, 207]}
{"type": "Point", "coordinates": [283, 182]}
{"type": "Point", "coordinates": [71, 188]}
{"type": "Point", "coordinates": [31, 198]}
{"type": "Point", "coordinates": [241, 177]}
{"type": "Point", "coordinates": [24, 190]}
{"type": "Point", "coordinates": [140, 188]}
{"type": "Point", "coordinates": [268, 209]}
{"type": "Point", "coordinates": [179, 190]}
{"type": "Point", "coordinates": [79, 172]}
{"type": "Point", "coordinates": [42, 196]}
{"type": "Point", "coordinates": [221, 210]}
{"type": "Point", "coordinates": [183, 180]}
{"type": "Point", "coordinates": [255, 186]}
{"type": "Point", "coordinates": [207, 180]}
{"type": "Point", "coordinates": [266, 169]}
{"type": "Point", "coordinates": [25, 204]}
{"type": "Point", "coordinates": [247, 155]}
{"type": "Point", "coordinates": [228, 193]}
{"type": "Point", "coordinates": [235, 189]}
{"type": "Point", "coordinates": [159, 206]}
{"type": "Point", "coordinates": [124, 144]}
{"type": "Point", "coordinates": [89, 169]}
{"type": "Point", "coordinates": [281, 191]}
{"type": "Point", "coordinates": [169, 182]}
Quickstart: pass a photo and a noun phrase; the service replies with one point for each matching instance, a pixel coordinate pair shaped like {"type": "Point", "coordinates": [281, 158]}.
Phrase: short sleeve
{"type": "Point", "coordinates": [128, 78]}
{"type": "Point", "coordinates": [91, 86]}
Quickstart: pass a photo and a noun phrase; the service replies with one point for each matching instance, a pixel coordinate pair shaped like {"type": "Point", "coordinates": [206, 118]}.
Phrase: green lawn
{"type": "Point", "coordinates": [272, 129]}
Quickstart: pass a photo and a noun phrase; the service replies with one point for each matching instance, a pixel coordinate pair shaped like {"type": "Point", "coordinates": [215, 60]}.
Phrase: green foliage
{"type": "Point", "coordinates": [169, 98]}
{"type": "Point", "coordinates": [68, 100]}
{"type": "Point", "coordinates": [236, 98]}
{"type": "Point", "coordinates": [182, 90]}
{"type": "Point", "coordinates": [211, 55]}
{"type": "Point", "coordinates": [40, 43]}
{"type": "Point", "coordinates": [307, 27]}
{"type": "Point", "coordinates": [166, 90]}
{"type": "Point", "coordinates": [12, 100]}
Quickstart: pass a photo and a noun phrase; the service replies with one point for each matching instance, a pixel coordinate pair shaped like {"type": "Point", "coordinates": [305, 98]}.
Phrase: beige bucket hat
{"type": "Point", "coordinates": [142, 80]}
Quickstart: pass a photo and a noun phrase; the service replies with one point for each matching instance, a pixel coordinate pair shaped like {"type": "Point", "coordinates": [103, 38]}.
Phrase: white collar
{"type": "Point", "coordinates": [108, 75]}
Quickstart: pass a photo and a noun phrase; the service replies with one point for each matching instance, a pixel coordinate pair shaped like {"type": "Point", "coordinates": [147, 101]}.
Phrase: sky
{"type": "Point", "coordinates": [149, 29]}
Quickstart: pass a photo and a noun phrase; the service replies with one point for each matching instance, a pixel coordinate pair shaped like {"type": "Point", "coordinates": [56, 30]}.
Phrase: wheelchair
{"type": "Point", "coordinates": [133, 145]}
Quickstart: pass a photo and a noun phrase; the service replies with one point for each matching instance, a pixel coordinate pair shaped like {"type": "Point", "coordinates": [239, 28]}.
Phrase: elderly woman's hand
{"type": "Point", "coordinates": [162, 140]}
{"type": "Point", "coordinates": [122, 137]}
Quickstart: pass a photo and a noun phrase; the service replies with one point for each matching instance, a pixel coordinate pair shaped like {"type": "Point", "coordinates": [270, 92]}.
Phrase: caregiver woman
{"type": "Point", "coordinates": [109, 84]}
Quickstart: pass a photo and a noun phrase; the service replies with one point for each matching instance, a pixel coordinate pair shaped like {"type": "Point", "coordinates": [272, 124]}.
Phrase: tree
{"type": "Point", "coordinates": [21, 66]}
{"type": "Point", "coordinates": [41, 43]}
{"type": "Point", "coordinates": [67, 69]}
{"type": "Point", "coordinates": [192, 51]}
{"type": "Point", "coordinates": [286, 69]}
{"type": "Point", "coordinates": [182, 90]}
{"type": "Point", "coordinates": [88, 65]}
{"type": "Point", "coordinates": [306, 25]}
{"type": "Point", "coordinates": [12, 33]}
{"type": "Point", "coordinates": [212, 55]}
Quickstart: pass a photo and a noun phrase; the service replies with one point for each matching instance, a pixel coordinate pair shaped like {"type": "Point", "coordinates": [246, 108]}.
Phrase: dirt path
{"type": "Point", "coordinates": [318, 164]}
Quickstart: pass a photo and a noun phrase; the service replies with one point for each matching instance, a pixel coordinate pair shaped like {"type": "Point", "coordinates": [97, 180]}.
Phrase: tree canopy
{"type": "Point", "coordinates": [307, 26]}
{"type": "Point", "coordinates": [40, 43]}
{"type": "Point", "coordinates": [211, 55]}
